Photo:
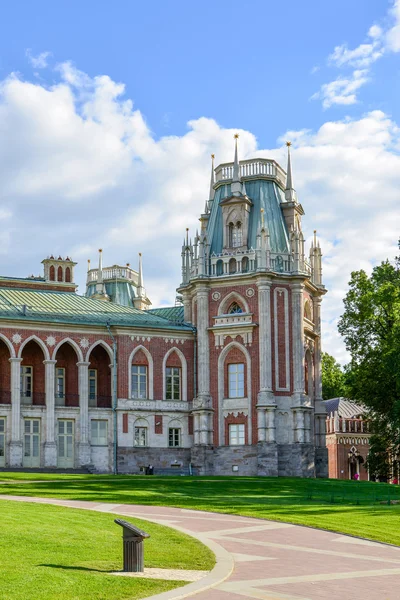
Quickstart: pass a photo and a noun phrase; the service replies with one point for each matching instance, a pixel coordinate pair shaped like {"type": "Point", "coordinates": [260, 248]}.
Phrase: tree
{"type": "Point", "coordinates": [332, 377]}
{"type": "Point", "coordinates": [370, 325]}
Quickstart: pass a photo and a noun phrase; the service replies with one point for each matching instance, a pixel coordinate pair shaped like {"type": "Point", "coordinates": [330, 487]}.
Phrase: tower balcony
{"type": "Point", "coordinates": [254, 168]}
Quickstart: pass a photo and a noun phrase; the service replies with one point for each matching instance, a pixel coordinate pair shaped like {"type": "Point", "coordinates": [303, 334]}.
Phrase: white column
{"type": "Point", "coordinates": [317, 349]}
{"type": "Point", "coordinates": [264, 317]}
{"type": "Point", "coordinates": [50, 449]}
{"type": "Point", "coordinates": [16, 441]}
{"type": "Point", "coordinates": [196, 426]}
{"type": "Point", "coordinates": [298, 342]}
{"type": "Point", "coordinates": [270, 425]}
{"type": "Point", "coordinates": [83, 378]}
{"type": "Point", "coordinates": [261, 424]}
{"type": "Point", "coordinates": [203, 401]}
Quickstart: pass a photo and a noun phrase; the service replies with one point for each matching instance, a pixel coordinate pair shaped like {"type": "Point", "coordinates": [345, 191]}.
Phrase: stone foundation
{"type": "Point", "coordinates": [131, 460]}
{"type": "Point", "coordinates": [321, 462]}
{"type": "Point", "coordinates": [296, 460]}
{"type": "Point", "coordinates": [267, 459]}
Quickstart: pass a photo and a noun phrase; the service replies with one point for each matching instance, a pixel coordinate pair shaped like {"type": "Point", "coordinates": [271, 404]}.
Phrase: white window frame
{"type": "Point", "coordinates": [174, 437]}
{"type": "Point", "coordinates": [173, 376]}
{"type": "Point", "coordinates": [236, 380]}
{"type": "Point", "coordinates": [25, 377]}
{"type": "Point", "coordinates": [141, 436]}
{"type": "Point", "coordinates": [236, 434]}
{"type": "Point", "coordinates": [141, 378]}
{"type": "Point", "coordinates": [92, 377]}
{"type": "Point", "coordinates": [59, 376]}
{"type": "Point", "coordinates": [95, 438]}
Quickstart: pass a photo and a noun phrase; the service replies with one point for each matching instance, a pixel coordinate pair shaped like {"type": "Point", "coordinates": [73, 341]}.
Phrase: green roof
{"type": "Point", "coordinates": [172, 313]}
{"type": "Point", "coordinates": [68, 307]}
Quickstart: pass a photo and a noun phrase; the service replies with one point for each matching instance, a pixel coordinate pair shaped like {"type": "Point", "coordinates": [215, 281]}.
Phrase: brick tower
{"type": "Point", "coordinates": [255, 301]}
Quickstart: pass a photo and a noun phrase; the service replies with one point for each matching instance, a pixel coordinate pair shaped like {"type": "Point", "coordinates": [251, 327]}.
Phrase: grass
{"type": "Point", "coordinates": [342, 506]}
{"type": "Point", "coordinates": [56, 553]}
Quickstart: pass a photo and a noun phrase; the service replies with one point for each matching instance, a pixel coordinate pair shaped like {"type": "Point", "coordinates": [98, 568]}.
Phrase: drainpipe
{"type": "Point", "coordinates": [114, 400]}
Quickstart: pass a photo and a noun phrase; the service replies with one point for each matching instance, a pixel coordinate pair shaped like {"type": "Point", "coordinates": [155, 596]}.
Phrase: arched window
{"type": "Point", "coordinates": [245, 264]}
{"type": "Point", "coordinates": [59, 273]}
{"type": "Point", "coordinates": [232, 235]}
{"type": "Point", "coordinates": [239, 235]}
{"type": "Point", "coordinates": [52, 273]}
{"type": "Point", "coordinates": [234, 309]}
{"type": "Point", "coordinates": [232, 266]}
{"type": "Point", "coordinates": [68, 275]}
{"type": "Point", "coordinates": [220, 267]}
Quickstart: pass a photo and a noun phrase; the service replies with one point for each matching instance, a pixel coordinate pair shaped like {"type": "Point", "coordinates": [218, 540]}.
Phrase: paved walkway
{"type": "Point", "coordinates": [268, 560]}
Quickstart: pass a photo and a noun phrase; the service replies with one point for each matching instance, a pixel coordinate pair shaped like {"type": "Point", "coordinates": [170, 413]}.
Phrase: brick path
{"type": "Point", "coordinates": [271, 561]}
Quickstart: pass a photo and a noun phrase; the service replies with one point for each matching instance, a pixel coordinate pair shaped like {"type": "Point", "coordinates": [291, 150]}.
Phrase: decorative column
{"type": "Point", "coordinates": [317, 349]}
{"type": "Point", "coordinates": [298, 343]}
{"type": "Point", "coordinates": [50, 448]}
{"type": "Point", "coordinates": [16, 441]}
{"type": "Point", "coordinates": [265, 397]}
{"type": "Point", "coordinates": [83, 378]}
{"type": "Point", "coordinates": [202, 404]}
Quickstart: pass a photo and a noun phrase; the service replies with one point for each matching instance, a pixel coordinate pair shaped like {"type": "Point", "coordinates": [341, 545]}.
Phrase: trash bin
{"type": "Point", "coordinates": [133, 546]}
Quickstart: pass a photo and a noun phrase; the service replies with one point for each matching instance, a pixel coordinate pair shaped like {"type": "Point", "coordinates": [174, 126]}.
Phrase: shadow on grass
{"type": "Point", "coordinates": [70, 568]}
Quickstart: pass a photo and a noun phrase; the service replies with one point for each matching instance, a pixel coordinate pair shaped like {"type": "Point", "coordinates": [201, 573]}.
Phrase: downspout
{"type": "Point", "coordinates": [114, 400]}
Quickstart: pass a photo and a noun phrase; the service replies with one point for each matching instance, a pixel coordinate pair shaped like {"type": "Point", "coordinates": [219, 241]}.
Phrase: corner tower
{"type": "Point", "coordinates": [255, 299]}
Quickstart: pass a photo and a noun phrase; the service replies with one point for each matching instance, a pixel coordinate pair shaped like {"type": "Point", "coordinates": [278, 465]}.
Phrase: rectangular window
{"type": "Point", "coordinates": [92, 387]}
{"type": "Point", "coordinates": [236, 380]}
{"type": "Point", "coordinates": [60, 383]}
{"type": "Point", "coordinates": [98, 432]}
{"type": "Point", "coordinates": [173, 383]}
{"type": "Point", "coordinates": [139, 381]}
{"type": "Point", "coordinates": [26, 383]}
{"type": "Point", "coordinates": [236, 435]}
{"type": "Point", "coordinates": [174, 437]}
{"type": "Point", "coordinates": [140, 436]}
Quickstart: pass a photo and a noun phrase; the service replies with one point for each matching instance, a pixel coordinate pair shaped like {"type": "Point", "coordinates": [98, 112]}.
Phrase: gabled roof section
{"type": "Point", "coordinates": [263, 194]}
{"type": "Point", "coordinates": [172, 313]}
{"type": "Point", "coordinates": [68, 307]}
{"type": "Point", "coordinates": [345, 408]}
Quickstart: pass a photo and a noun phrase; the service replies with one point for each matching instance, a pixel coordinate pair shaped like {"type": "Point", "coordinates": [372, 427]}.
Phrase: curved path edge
{"type": "Point", "coordinates": [268, 560]}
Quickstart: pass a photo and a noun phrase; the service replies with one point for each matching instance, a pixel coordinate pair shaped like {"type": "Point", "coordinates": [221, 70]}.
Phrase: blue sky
{"type": "Point", "coordinates": [109, 113]}
{"type": "Point", "coordinates": [243, 64]}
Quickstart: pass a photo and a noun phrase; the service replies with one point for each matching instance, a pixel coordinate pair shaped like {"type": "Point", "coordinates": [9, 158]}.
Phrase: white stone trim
{"type": "Point", "coordinates": [71, 343]}
{"type": "Point", "coordinates": [184, 372]}
{"type": "Point", "coordinates": [221, 385]}
{"type": "Point", "coordinates": [229, 298]}
{"type": "Point", "coordinates": [39, 342]}
{"type": "Point", "coordinates": [99, 343]}
{"type": "Point", "coordinates": [150, 383]}
{"type": "Point", "coordinates": [285, 388]}
{"type": "Point", "coordinates": [9, 345]}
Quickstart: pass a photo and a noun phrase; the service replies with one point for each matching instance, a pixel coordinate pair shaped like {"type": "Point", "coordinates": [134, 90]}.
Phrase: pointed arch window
{"type": "Point", "coordinates": [234, 309]}
{"type": "Point", "coordinates": [68, 275]}
{"type": "Point", "coordinates": [232, 266]}
{"type": "Point", "coordinates": [59, 273]}
{"type": "Point", "coordinates": [235, 235]}
{"type": "Point", "coordinates": [52, 273]}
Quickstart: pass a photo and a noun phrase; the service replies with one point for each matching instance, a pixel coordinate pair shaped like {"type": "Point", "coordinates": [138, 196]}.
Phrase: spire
{"type": "Point", "coordinates": [140, 277]}
{"type": "Point", "coordinates": [88, 264]}
{"type": "Point", "coordinates": [100, 269]}
{"type": "Point", "coordinates": [212, 179]}
{"type": "Point", "coordinates": [236, 173]}
{"type": "Point", "coordinates": [236, 186]}
{"type": "Point", "coordinates": [290, 194]}
{"type": "Point", "coordinates": [101, 293]}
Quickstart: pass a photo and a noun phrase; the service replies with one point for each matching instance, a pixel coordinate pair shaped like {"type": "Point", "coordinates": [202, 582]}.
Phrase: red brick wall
{"type": "Point", "coordinates": [158, 424]}
{"type": "Point", "coordinates": [282, 350]}
{"type": "Point", "coordinates": [32, 355]}
{"type": "Point", "coordinates": [66, 358]}
{"type": "Point", "coordinates": [100, 360]}
{"type": "Point", "coordinates": [5, 374]}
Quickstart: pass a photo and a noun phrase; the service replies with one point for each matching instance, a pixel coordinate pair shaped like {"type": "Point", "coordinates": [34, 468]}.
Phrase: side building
{"type": "Point", "coordinates": [226, 382]}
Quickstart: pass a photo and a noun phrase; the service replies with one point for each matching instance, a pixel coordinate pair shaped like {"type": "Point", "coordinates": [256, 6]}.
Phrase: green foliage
{"type": "Point", "coordinates": [371, 328]}
{"type": "Point", "coordinates": [57, 553]}
{"type": "Point", "coordinates": [332, 377]}
{"type": "Point", "coordinates": [353, 507]}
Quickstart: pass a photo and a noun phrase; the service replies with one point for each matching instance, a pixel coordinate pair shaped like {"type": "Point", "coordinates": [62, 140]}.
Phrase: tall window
{"type": "Point", "coordinates": [239, 235]}
{"type": "Point", "coordinates": [26, 382]}
{"type": "Point", "coordinates": [235, 235]}
{"type": "Point", "coordinates": [92, 386]}
{"type": "Point", "coordinates": [140, 436]}
{"type": "Point", "coordinates": [52, 273]}
{"type": "Point", "coordinates": [98, 431]}
{"type": "Point", "coordinates": [59, 273]}
{"type": "Point", "coordinates": [174, 437]}
{"type": "Point", "coordinates": [173, 383]}
{"type": "Point", "coordinates": [236, 435]}
{"type": "Point", "coordinates": [236, 380]}
{"type": "Point", "coordinates": [68, 274]}
{"type": "Point", "coordinates": [139, 381]}
{"type": "Point", "coordinates": [60, 382]}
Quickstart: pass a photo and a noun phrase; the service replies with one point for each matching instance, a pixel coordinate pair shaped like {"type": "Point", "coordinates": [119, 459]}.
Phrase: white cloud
{"type": "Point", "coordinates": [393, 34]}
{"type": "Point", "coordinates": [342, 90]}
{"type": "Point", "coordinates": [40, 61]}
{"type": "Point", "coordinates": [80, 169]}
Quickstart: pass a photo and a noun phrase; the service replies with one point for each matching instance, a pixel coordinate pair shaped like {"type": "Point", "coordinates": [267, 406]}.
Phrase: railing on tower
{"type": "Point", "coordinates": [255, 167]}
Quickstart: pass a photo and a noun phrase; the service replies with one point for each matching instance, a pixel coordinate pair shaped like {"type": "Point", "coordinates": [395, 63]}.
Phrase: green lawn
{"type": "Point", "coordinates": [56, 553]}
{"type": "Point", "coordinates": [344, 506]}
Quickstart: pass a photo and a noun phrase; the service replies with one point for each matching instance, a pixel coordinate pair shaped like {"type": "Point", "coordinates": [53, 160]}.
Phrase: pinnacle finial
{"type": "Point", "coordinates": [236, 136]}
{"type": "Point", "coordinates": [236, 169]}
{"type": "Point", "coordinates": [288, 144]}
{"type": "Point", "coordinates": [212, 180]}
{"type": "Point", "coordinates": [290, 194]}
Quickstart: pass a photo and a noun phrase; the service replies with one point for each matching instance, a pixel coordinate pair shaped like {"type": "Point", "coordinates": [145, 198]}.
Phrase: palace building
{"type": "Point", "coordinates": [227, 381]}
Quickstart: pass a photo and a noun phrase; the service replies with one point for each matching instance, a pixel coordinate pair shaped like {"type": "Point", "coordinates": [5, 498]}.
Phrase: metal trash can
{"type": "Point", "coordinates": [133, 546]}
